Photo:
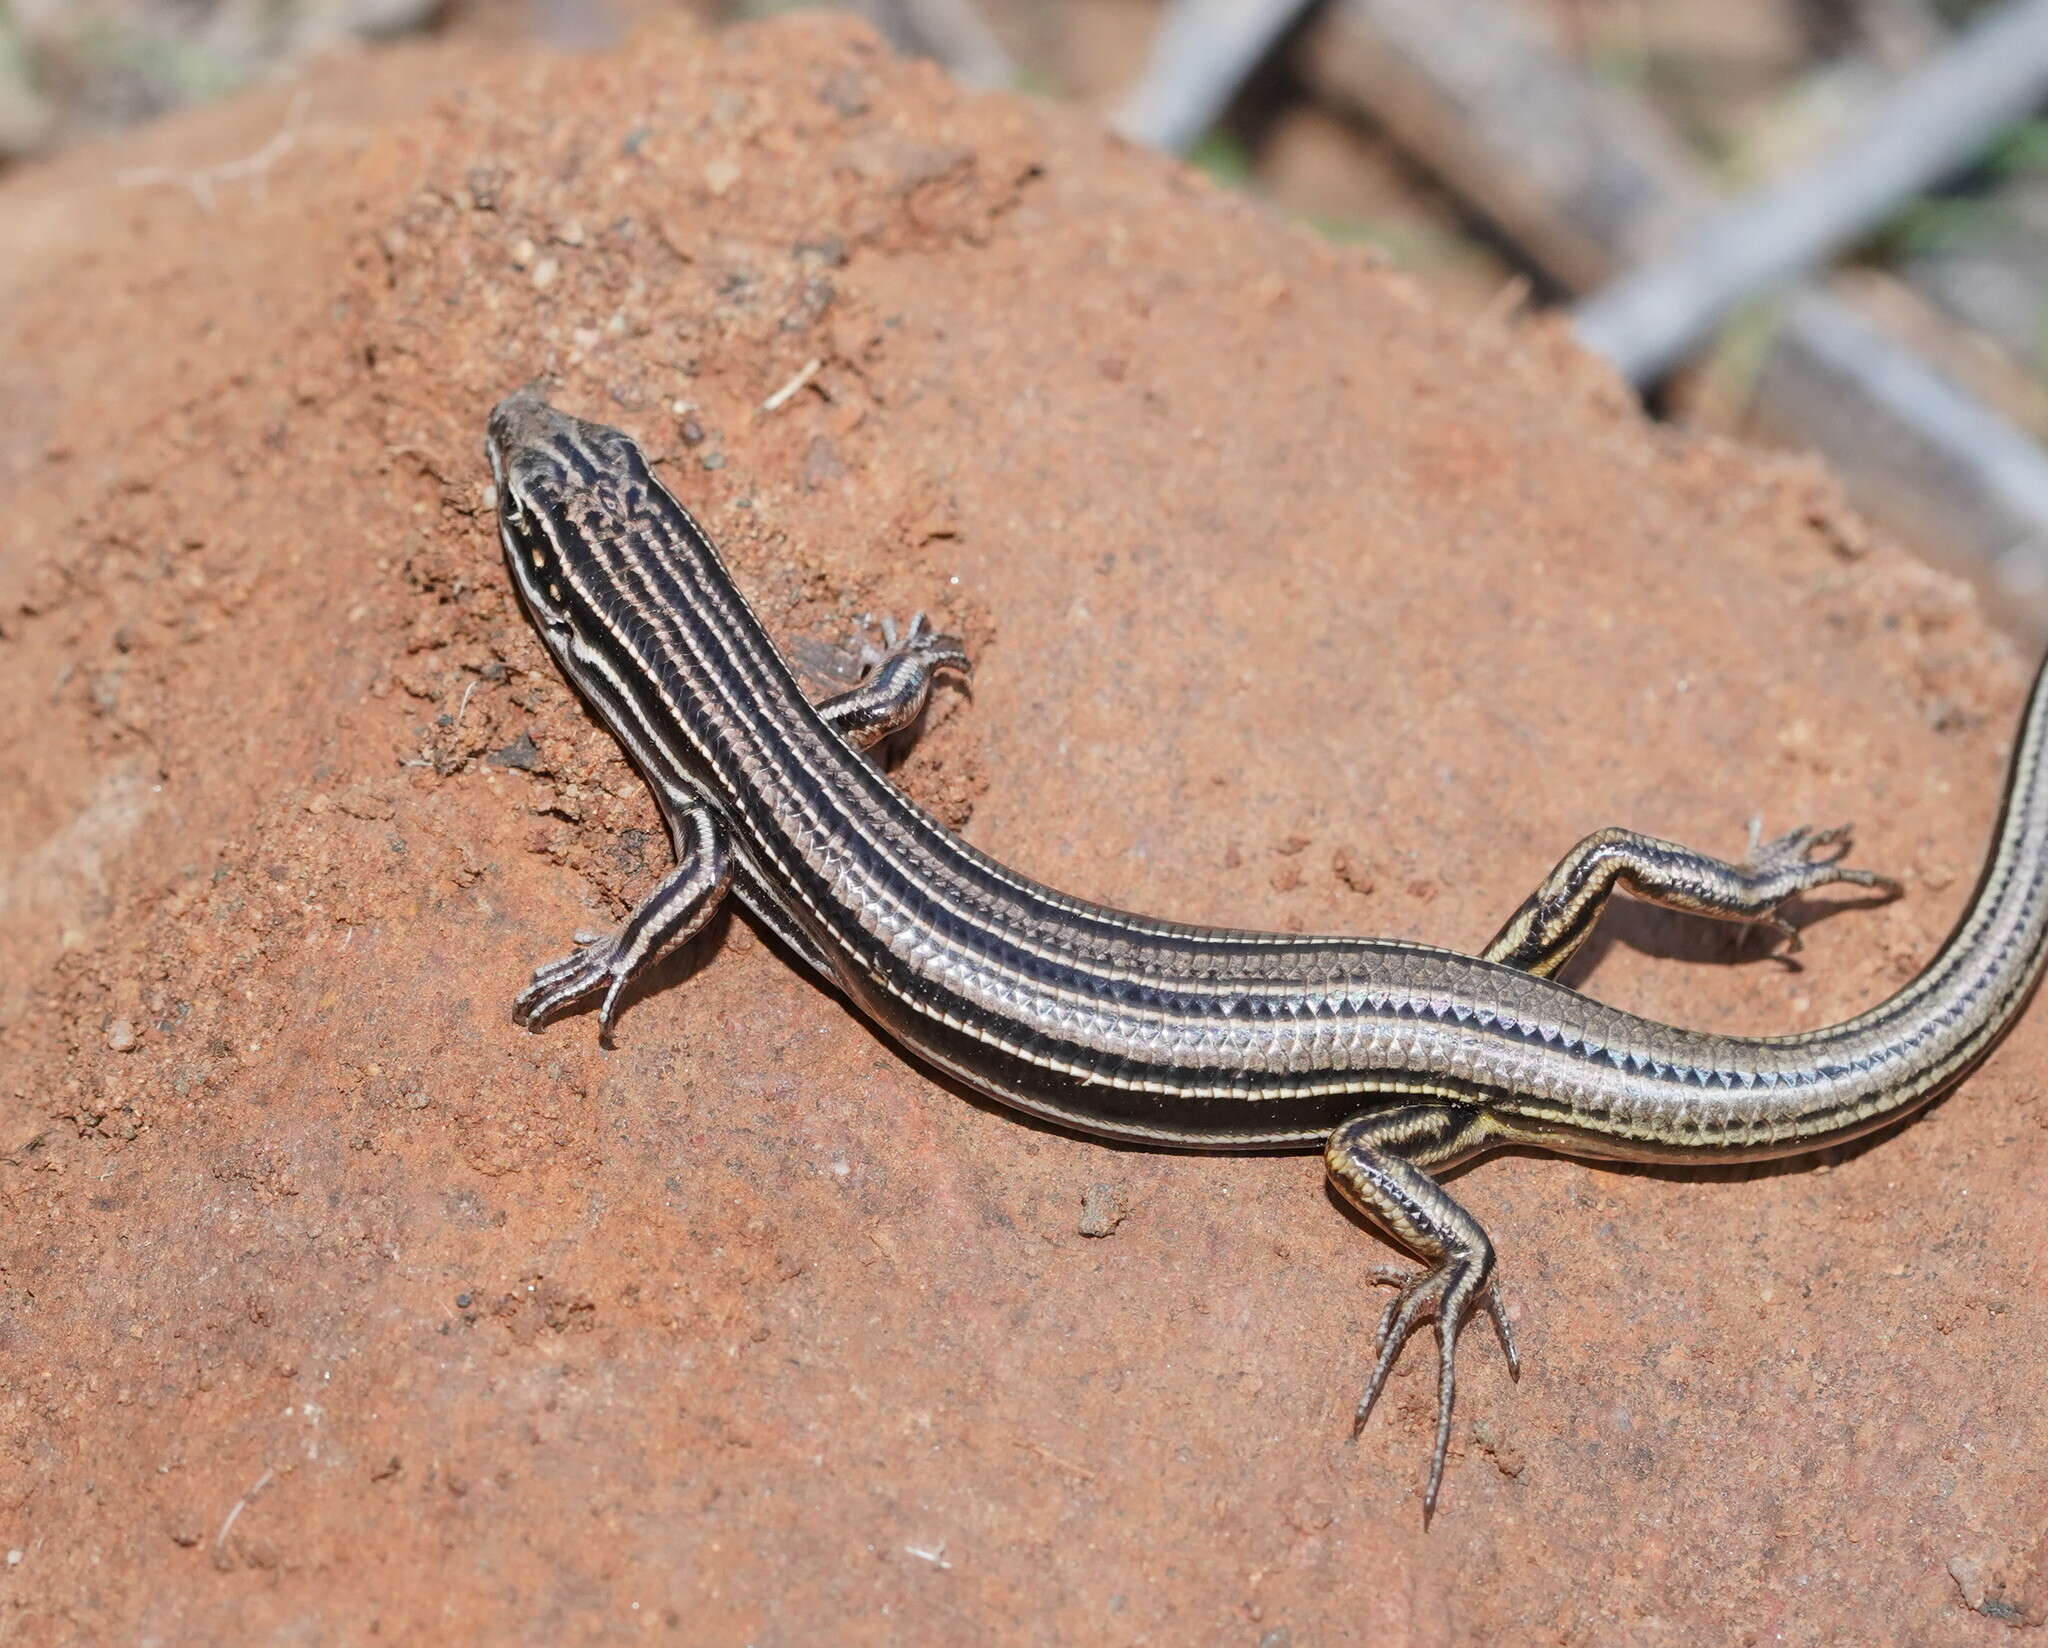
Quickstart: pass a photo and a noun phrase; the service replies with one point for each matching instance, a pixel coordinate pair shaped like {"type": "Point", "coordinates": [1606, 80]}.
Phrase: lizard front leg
{"type": "Point", "coordinates": [679, 907]}
{"type": "Point", "coordinates": [898, 685]}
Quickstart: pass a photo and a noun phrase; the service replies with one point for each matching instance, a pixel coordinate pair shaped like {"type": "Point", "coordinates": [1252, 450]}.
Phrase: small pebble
{"type": "Point", "coordinates": [1103, 1208]}
{"type": "Point", "coordinates": [121, 1036]}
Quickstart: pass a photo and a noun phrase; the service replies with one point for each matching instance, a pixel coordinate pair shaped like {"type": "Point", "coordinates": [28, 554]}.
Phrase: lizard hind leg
{"type": "Point", "coordinates": [1379, 1163]}
{"type": "Point", "coordinates": [1555, 920]}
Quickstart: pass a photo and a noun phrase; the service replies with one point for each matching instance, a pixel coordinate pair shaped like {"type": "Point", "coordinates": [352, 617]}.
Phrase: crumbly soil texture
{"type": "Point", "coordinates": [335, 1308]}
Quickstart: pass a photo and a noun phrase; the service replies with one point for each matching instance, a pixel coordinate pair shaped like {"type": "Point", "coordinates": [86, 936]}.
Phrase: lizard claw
{"type": "Point", "coordinates": [1800, 860]}
{"type": "Point", "coordinates": [1449, 1291]}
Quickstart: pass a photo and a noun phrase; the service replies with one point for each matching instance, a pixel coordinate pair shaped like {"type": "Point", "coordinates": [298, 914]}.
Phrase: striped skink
{"type": "Point", "coordinates": [1396, 1060]}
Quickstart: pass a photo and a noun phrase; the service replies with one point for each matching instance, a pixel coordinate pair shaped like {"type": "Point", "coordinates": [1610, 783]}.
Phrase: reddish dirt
{"type": "Point", "coordinates": [336, 1308]}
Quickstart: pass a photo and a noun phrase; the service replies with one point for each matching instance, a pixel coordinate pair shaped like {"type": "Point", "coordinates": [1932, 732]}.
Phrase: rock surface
{"type": "Point", "coordinates": [337, 1309]}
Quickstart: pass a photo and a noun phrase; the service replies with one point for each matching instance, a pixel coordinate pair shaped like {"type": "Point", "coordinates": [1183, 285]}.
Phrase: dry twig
{"type": "Point", "coordinates": [203, 182]}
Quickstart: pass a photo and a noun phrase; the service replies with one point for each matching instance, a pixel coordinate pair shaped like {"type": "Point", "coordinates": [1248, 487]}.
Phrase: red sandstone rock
{"type": "Point", "coordinates": [335, 1308]}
